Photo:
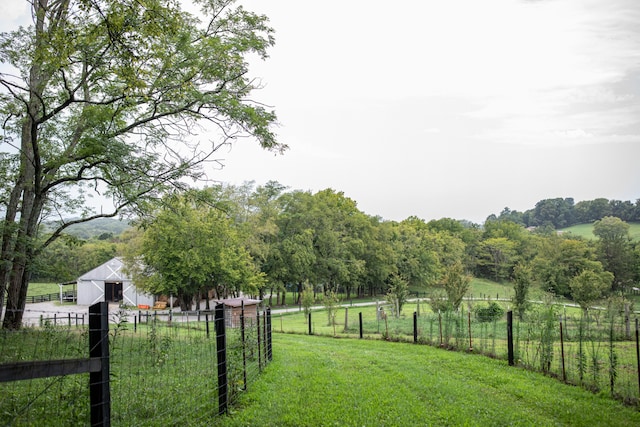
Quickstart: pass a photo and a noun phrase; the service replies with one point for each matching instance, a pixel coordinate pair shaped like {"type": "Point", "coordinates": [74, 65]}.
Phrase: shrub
{"type": "Point", "coordinates": [490, 313]}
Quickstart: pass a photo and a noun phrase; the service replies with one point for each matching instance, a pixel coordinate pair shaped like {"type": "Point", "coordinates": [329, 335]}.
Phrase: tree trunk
{"type": "Point", "coordinates": [30, 211]}
{"type": "Point", "coordinates": [8, 241]}
{"type": "Point", "coordinates": [17, 254]}
{"type": "Point", "coordinates": [16, 298]}
{"type": "Point", "coordinates": [22, 261]}
{"type": "Point", "coordinates": [185, 301]}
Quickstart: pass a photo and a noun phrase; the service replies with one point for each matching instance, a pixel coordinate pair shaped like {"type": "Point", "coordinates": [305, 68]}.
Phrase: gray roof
{"type": "Point", "coordinates": [237, 302]}
{"type": "Point", "coordinates": [110, 271]}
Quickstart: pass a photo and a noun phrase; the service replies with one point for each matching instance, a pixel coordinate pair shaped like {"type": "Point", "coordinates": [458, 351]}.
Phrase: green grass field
{"type": "Point", "coordinates": [166, 376]}
{"type": "Point", "coordinates": [586, 230]}
{"type": "Point", "coordinates": [42, 289]}
{"type": "Point", "coordinates": [321, 381]}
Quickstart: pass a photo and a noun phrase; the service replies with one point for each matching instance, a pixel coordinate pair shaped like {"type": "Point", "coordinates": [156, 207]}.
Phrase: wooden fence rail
{"type": "Point", "coordinates": [97, 365]}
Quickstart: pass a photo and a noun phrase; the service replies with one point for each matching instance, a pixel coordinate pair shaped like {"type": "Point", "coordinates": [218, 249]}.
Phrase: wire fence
{"type": "Point", "coordinates": [598, 350]}
{"type": "Point", "coordinates": [163, 368]}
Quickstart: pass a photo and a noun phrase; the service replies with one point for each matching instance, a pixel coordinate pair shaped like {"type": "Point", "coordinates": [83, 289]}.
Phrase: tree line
{"type": "Point", "coordinates": [564, 212]}
{"type": "Point", "coordinates": [266, 240]}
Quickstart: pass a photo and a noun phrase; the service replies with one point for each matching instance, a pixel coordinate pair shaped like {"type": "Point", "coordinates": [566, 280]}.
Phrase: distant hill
{"type": "Point", "coordinates": [586, 230]}
{"type": "Point", "coordinates": [96, 228]}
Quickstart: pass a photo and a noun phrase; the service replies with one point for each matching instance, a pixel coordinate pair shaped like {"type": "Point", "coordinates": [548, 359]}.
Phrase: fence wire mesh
{"type": "Point", "coordinates": [163, 367]}
{"type": "Point", "coordinates": [598, 351]}
{"type": "Point", "coordinates": [60, 400]}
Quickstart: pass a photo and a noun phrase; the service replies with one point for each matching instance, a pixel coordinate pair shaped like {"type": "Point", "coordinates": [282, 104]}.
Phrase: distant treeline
{"type": "Point", "coordinates": [562, 213]}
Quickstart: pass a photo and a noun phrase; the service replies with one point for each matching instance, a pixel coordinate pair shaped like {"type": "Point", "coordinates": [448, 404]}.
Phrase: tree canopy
{"type": "Point", "coordinates": [563, 212]}
{"type": "Point", "coordinates": [267, 241]}
{"type": "Point", "coordinates": [193, 246]}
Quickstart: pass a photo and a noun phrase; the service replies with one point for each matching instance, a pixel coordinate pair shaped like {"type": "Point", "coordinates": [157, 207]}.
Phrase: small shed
{"type": "Point", "coordinates": [109, 282]}
{"type": "Point", "coordinates": [233, 311]}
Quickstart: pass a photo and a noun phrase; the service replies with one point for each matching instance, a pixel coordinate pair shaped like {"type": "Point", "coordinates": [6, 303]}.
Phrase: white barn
{"type": "Point", "coordinates": [109, 282]}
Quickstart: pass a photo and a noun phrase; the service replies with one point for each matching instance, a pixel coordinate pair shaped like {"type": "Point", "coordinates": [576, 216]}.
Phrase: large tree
{"type": "Point", "coordinates": [417, 259]}
{"type": "Point", "coordinates": [497, 257]}
{"type": "Point", "coordinates": [105, 96]}
{"type": "Point", "coordinates": [559, 260]}
{"type": "Point", "coordinates": [340, 231]}
{"type": "Point", "coordinates": [615, 250]}
{"type": "Point", "coordinates": [190, 247]}
{"type": "Point", "coordinates": [588, 286]}
{"type": "Point", "coordinates": [557, 212]}
{"type": "Point", "coordinates": [379, 256]}
{"type": "Point", "coordinates": [456, 284]}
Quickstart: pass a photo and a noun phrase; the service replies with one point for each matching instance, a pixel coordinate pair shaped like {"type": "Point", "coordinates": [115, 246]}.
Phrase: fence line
{"type": "Point", "coordinates": [54, 296]}
{"type": "Point", "coordinates": [598, 352]}
{"type": "Point", "coordinates": [138, 377]}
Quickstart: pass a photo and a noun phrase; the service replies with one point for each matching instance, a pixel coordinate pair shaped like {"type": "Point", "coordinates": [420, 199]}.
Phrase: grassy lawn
{"type": "Point", "coordinates": [586, 230]}
{"type": "Point", "coordinates": [320, 381]}
{"type": "Point", "coordinates": [482, 288]}
{"type": "Point", "coordinates": [43, 288]}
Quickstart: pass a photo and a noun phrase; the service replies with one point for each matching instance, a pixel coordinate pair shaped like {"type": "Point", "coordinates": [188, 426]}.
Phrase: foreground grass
{"type": "Point", "coordinates": [319, 381]}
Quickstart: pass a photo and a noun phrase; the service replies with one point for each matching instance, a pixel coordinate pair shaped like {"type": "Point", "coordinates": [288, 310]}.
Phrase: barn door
{"type": "Point", "coordinates": [113, 291]}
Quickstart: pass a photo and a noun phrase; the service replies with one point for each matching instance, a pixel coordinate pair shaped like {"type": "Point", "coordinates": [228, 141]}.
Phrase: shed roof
{"type": "Point", "coordinates": [237, 302]}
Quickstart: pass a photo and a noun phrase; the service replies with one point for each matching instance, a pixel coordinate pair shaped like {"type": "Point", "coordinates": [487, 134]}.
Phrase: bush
{"type": "Point", "coordinates": [490, 313]}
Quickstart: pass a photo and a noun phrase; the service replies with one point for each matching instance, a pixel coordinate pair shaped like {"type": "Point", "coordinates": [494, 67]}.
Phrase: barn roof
{"type": "Point", "coordinates": [111, 270]}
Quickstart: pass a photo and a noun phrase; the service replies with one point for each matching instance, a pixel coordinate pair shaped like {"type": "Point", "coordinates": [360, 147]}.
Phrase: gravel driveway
{"type": "Point", "coordinates": [33, 312]}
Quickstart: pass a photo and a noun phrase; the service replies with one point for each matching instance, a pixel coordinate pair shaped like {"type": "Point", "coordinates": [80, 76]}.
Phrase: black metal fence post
{"type": "Point", "coordinates": [206, 322]}
{"type": "Point", "coordinates": [638, 352]}
{"type": "Point", "coordinates": [244, 348]}
{"type": "Point", "coordinates": [469, 325]}
{"type": "Point", "coordinates": [221, 351]}
{"type": "Point", "coordinates": [264, 337]}
{"type": "Point", "coordinates": [564, 372]}
{"type": "Point", "coordinates": [415, 327]}
{"type": "Point", "coordinates": [510, 338]}
{"type": "Point", "coordinates": [259, 335]}
{"type": "Point", "coordinates": [269, 355]}
{"type": "Point", "coordinates": [100, 395]}
{"type": "Point", "coordinates": [310, 333]}
{"type": "Point", "coordinates": [360, 321]}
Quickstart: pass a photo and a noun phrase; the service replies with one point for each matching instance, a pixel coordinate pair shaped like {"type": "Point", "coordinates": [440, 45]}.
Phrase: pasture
{"type": "Point", "coordinates": [325, 381]}
{"type": "Point", "coordinates": [586, 231]}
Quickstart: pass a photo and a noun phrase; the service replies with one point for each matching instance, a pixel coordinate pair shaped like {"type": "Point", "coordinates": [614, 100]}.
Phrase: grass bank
{"type": "Point", "coordinates": [320, 381]}
{"type": "Point", "coordinates": [586, 231]}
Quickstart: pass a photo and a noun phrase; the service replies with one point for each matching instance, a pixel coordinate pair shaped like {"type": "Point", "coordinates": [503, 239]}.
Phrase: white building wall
{"type": "Point", "coordinates": [90, 291]}
{"type": "Point", "coordinates": [91, 285]}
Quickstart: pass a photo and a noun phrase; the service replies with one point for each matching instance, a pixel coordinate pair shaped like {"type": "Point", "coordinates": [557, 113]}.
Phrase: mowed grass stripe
{"type": "Point", "coordinates": [320, 381]}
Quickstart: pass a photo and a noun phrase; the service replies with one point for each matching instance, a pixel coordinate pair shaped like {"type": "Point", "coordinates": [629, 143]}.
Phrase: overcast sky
{"type": "Point", "coordinates": [454, 108]}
